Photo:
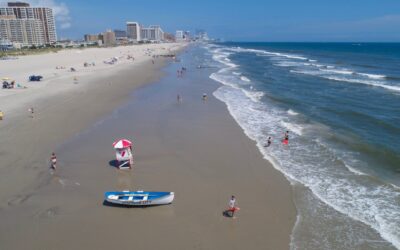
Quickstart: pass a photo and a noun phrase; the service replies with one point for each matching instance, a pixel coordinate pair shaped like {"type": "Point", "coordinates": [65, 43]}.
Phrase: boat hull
{"type": "Point", "coordinates": [139, 198]}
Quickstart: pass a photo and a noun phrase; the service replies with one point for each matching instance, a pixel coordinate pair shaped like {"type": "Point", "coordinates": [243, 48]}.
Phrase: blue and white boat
{"type": "Point", "coordinates": [139, 198]}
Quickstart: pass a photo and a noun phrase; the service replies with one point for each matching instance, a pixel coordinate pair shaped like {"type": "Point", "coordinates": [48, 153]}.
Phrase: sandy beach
{"type": "Point", "coordinates": [62, 108]}
{"type": "Point", "coordinates": [194, 148]}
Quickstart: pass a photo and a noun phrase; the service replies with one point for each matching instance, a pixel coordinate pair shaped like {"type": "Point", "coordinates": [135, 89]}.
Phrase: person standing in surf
{"type": "Point", "coordinates": [286, 138]}
{"type": "Point", "coordinates": [269, 141]}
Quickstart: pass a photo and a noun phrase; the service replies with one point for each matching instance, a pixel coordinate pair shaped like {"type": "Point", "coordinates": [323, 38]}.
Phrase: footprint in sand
{"type": "Point", "coordinates": [49, 213]}
{"type": "Point", "coordinates": [62, 182]}
{"type": "Point", "coordinates": [18, 199]}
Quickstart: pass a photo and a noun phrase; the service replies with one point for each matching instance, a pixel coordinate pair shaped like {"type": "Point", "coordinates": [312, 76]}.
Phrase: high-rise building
{"type": "Point", "coordinates": [136, 32]}
{"type": "Point", "coordinates": [109, 38]}
{"type": "Point", "coordinates": [23, 31]}
{"type": "Point", "coordinates": [159, 33]}
{"type": "Point", "coordinates": [180, 36]}
{"type": "Point", "coordinates": [169, 37]}
{"type": "Point", "coordinates": [44, 15]}
{"type": "Point", "coordinates": [133, 31]}
{"type": "Point", "coordinates": [186, 35]}
{"type": "Point", "coordinates": [120, 33]}
{"type": "Point", "coordinates": [201, 35]}
{"type": "Point", "coordinates": [91, 38]}
{"type": "Point", "coordinates": [154, 33]}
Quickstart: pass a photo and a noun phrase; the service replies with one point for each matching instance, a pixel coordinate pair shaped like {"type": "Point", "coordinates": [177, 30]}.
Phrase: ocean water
{"type": "Point", "coordinates": [340, 103]}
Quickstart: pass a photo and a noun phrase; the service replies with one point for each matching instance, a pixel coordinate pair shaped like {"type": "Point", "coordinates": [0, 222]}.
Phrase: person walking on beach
{"type": "Point", "coordinates": [269, 141]}
{"type": "Point", "coordinates": [53, 161]}
{"type": "Point", "coordinates": [204, 97]}
{"type": "Point", "coordinates": [179, 98]}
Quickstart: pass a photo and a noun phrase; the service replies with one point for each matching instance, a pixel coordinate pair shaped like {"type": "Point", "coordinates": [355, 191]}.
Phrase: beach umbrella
{"type": "Point", "coordinates": [123, 143]}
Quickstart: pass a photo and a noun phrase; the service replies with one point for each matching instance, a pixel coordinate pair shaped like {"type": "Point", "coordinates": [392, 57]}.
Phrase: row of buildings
{"type": "Point", "coordinates": [25, 25]}
{"type": "Point", "coordinates": [106, 38]}
{"type": "Point", "coordinates": [134, 33]}
{"type": "Point", "coordinates": [182, 36]}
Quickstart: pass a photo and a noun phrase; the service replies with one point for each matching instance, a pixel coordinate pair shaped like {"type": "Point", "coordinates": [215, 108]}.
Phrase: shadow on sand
{"type": "Point", "coordinates": [113, 163]}
{"type": "Point", "coordinates": [227, 213]}
{"type": "Point", "coordinates": [109, 204]}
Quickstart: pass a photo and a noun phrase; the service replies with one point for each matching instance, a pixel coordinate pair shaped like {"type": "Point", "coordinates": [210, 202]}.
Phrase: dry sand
{"type": "Point", "coordinates": [60, 80]}
{"type": "Point", "coordinates": [194, 148]}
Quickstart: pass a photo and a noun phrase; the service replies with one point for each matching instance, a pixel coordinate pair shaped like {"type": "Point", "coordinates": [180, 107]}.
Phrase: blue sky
{"type": "Point", "coordinates": [238, 20]}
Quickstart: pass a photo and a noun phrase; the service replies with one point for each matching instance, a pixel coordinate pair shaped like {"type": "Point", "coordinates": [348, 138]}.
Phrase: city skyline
{"type": "Point", "coordinates": [287, 20]}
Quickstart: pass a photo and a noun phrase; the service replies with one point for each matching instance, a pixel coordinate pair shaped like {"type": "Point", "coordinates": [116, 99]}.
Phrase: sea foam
{"type": "Point", "coordinates": [311, 163]}
{"type": "Point", "coordinates": [245, 79]}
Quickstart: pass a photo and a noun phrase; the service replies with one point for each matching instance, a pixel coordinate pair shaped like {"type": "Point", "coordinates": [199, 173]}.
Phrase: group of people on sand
{"type": "Point", "coordinates": [179, 99]}
{"type": "Point", "coordinates": [8, 85]}
{"type": "Point", "coordinates": [86, 64]}
{"type": "Point", "coordinates": [285, 139]}
{"type": "Point", "coordinates": [12, 85]}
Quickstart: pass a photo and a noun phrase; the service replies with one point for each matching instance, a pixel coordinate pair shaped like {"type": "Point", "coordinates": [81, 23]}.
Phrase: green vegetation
{"type": "Point", "coordinates": [42, 50]}
{"type": "Point", "coordinates": [29, 51]}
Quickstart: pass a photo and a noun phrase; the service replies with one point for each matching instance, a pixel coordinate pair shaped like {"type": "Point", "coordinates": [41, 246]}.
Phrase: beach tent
{"type": "Point", "coordinates": [123, 153]}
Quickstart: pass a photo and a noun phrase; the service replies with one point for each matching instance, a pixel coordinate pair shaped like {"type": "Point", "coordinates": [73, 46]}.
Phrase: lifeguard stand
{"type": "Point", "coordinates": [123, 153]}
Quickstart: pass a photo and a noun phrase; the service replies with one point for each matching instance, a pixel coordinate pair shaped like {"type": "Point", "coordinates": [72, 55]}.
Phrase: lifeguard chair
{"type": "Point", "coordinates": [123, 153]}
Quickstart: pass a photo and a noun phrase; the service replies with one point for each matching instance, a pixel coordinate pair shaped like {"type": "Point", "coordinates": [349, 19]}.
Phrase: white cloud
{"type": "Point", "coordinates": [60, 10]}
{"type": "Point", "coordinates": [65, 25]}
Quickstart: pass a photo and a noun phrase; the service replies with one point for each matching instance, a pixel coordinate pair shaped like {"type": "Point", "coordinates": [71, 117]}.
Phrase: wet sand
{"type": "Point", "coordinates": [193, 148]}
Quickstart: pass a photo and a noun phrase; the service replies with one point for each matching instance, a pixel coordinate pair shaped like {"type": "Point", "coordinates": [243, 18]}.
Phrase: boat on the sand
{"type": "Point", "coordinates": [139, 198]}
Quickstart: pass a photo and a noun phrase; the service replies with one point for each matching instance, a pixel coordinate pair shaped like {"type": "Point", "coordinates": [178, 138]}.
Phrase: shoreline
{"type": "Point", "coordinates": [267, 98]}
{"type": "Point", "coordinates": [194, 148]}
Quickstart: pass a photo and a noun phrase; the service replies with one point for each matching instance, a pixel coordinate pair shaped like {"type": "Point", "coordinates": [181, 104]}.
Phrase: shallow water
{"type": "Point", "coordinates": [341, 104]}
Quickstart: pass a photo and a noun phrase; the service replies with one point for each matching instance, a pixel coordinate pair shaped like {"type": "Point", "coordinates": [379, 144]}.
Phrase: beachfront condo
{"type": "Point", "coordinates": [27, 25]}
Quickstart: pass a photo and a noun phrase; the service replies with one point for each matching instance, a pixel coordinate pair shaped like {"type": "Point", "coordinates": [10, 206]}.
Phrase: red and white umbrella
{"type": "Point", "coordinates": [123, 143]}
